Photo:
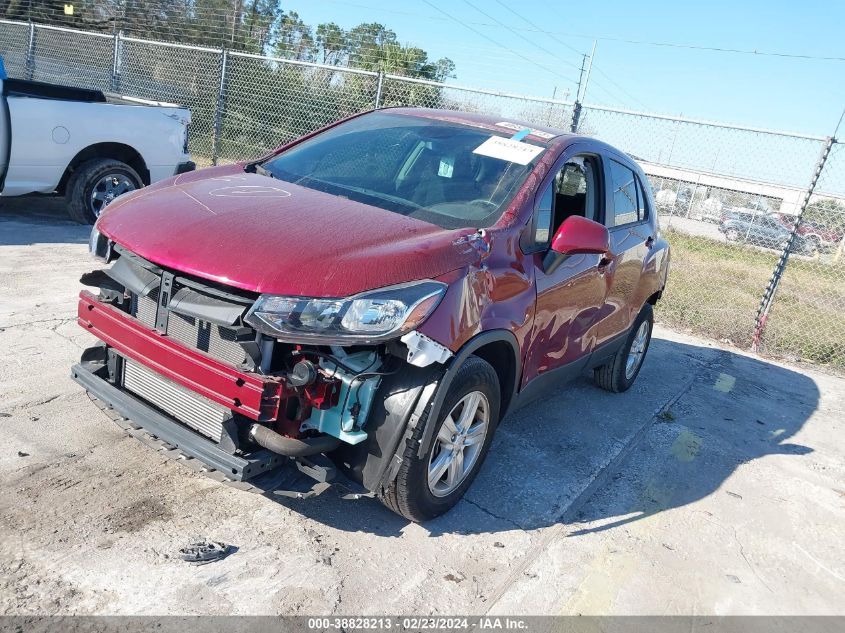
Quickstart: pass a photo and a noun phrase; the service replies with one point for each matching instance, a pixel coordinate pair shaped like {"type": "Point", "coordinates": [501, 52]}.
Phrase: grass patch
{"type": "Point", "coordinates": [715, 289]}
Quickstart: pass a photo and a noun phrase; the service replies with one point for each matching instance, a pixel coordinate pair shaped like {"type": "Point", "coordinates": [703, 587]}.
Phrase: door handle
{"type": "Point", "coordinates": [604, 262]}
{"type": "Point", "coordinates": [649, 241]}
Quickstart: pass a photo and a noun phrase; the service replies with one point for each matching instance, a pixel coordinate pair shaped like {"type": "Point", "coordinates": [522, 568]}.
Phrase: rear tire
{"type": "Point", "coordinates": [618, 374]}
{"type": "Point", "coordinates": [411, 494]}
{"type": "Point", "coordinates": [109, 177]}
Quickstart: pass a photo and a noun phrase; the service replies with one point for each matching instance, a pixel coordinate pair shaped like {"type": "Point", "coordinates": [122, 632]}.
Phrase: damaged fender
{"type": "Point", "coordinates": [400, 403]}
{"type": "Point", "coordinates": [469, 348]}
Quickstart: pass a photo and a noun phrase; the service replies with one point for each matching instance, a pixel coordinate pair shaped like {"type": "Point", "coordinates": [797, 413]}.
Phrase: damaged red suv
{"type": "Point", "coordinates": [365, 304]}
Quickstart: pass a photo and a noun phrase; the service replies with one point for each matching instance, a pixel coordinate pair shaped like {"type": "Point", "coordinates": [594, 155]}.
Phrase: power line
{"type": "Point", "coordinates": [599, 70]}
{"type": "Point", "coordinates": [522, 37]}
{"type": "Point", "coordinates": [490, 39]}
{"type": "Point", "coordinates": [609, 38]}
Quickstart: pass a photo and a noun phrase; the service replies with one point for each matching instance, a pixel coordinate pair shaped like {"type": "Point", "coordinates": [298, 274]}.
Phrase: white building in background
{"type": "Point", "coordinates": [790, 197]}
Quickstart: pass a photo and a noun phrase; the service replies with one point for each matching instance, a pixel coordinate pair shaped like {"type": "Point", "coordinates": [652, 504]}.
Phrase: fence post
{"type": "Point", "coordinates": [576, 117]}
{"type": "Point", "coordinates": [30, 52]}
{"type": "Point", "coordinates": [777, 274]}
{"type": "Point", "coordinates": [379, 88]}
{"type": "Point", "coordinates": [221, 106]}
{"type": "Point", "coordinates": [117, 62]}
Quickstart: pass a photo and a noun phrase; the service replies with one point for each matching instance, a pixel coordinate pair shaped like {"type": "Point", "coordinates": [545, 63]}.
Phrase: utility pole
{"type": "Point", "coordinates": [580, 78]}
{"type": "Point", "coordinates": [589, 69]}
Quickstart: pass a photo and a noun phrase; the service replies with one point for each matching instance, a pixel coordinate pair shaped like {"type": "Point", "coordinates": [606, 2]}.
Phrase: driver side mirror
{"type": "Point", "coordinates": [576, 236]}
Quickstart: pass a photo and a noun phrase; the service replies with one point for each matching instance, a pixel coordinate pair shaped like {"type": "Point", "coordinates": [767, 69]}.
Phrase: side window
{"type": "Point", "coordinates": [572, 192]}
{"type": "Point", "coordinates": [543, 218]}
{"type": "Point", "coordinates": [623, 193]}
{"type": "Point", "coordinates": [643, 201]}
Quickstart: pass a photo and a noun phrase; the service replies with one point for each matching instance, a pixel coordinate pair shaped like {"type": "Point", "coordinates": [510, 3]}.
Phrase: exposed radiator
{"type": "Point", "coordinates": [190, 408]}
{"type": "Point", "coordinates": [213, 339]}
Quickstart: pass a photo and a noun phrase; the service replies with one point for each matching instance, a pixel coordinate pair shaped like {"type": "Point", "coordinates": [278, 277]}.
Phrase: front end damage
{"type": "Point", "coordinates": [178, 362]}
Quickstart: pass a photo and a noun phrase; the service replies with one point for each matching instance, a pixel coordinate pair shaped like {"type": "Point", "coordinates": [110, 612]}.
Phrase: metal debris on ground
{"type": "Point", "coordinates": [205, 552]}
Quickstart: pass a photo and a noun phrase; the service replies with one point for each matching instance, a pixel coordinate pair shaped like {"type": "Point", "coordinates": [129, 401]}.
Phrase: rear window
{"type": "Point", "coordinates": [444, 173]}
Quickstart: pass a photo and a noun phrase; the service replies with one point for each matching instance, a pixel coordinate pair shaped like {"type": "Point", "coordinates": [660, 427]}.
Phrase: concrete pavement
{"type": "Point", "coordinates": [714, 486]}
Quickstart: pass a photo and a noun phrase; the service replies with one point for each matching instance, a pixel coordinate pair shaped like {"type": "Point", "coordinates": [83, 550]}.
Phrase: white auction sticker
{"type": "Point", "coordinates": [508, 149]}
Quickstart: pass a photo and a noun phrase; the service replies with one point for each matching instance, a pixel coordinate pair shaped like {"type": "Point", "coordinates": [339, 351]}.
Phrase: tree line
{"type": "Point", "coordinates": [253, 26]}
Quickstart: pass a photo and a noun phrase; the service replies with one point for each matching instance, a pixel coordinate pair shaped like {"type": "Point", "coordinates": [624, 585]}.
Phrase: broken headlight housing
{"type": "Point", "coordinates": [99, 246]}
{"type": "Point", "coordinates": [369, 317]}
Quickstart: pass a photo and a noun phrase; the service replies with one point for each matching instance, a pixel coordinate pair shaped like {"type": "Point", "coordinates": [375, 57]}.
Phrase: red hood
{"type": "Point", "coordinates": [265, 235]}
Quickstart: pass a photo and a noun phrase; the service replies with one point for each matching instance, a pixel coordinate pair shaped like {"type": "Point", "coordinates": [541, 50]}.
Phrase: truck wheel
{"type": "Point", "coordinates": [621, 371]}
{"type": "Point", "coordinates": [94, 184]}
{"type": "Point", "coordinates": [428, 486]}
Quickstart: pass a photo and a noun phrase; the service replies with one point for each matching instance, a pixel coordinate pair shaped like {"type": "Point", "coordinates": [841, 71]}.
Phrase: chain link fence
{"type": "Point", "coordinates": [728, 198]}
{"type": "Point", "coordinates": [189, 76]}
{"type": "Point", "coordinates": [807, 315]}
{"type": "Point", "coordinates": [267, 101]}
{"type": "Point", "coordinates": [755, 260]}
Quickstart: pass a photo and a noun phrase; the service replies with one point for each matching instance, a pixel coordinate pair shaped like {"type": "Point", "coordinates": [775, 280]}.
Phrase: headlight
{"type": "Point", "coordinates": [376, 315]}
{"type": "Point", "coordinates": [99, 245]}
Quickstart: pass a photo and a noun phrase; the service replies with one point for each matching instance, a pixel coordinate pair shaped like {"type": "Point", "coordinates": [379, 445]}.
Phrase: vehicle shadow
{"type": "Point", "coordinates": [38, 220]}
{"type": "Point", "coordinates": [550, 457]}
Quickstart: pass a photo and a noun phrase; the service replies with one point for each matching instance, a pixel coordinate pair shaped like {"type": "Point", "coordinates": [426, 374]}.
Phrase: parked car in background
{"type": "Point", "coordinates": [369, 301]}
{"type": "Point", "coordinates": [673, 202]}
{"type": "Point", "coordinates": [757, 229]}
{"type": "Point", "coordinates": [816, 237]}
{"type": "Point", "coordinates": [86, 146]}
{"type": "Point", "coordinates": [710, 210]}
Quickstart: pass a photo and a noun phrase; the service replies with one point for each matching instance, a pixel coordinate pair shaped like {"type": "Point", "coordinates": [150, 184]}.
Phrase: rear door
{"type": "Point", "coordinates": [627, 217]}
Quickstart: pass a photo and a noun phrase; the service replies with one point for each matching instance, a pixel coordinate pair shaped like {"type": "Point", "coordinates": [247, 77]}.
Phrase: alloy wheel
{"type": "Point", "coordinates": [458, 444]}
{"type": "Point", "coordinates": [107, 189]}
{"type": "Point", "coordinates": [637, 351]}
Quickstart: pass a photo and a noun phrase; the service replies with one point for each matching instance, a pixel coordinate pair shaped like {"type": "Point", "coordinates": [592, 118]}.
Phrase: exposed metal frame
{"type": "Point", "coordinates": [252, 395]}
{"type": "Point", "coordinates": [165, 428]}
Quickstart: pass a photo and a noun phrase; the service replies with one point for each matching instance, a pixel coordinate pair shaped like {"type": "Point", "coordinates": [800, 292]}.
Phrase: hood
{"type": "Point", "coordinates": [265, 235]}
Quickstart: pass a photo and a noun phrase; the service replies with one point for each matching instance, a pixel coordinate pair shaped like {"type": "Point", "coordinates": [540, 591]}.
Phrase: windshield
{"type": "Point", "coordinates": [447, 174]}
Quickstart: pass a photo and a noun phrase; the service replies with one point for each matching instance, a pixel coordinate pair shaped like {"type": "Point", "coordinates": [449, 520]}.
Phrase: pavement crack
{"type": "Point", "coordinates": [494, 515]}
{"type": "Point", "coordinates": [748, 562]}
{"type": "Point", "coordinates": [60, 320]}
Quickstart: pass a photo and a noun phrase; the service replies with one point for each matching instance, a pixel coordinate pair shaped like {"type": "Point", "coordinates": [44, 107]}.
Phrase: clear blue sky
{"type": "Point", "coordinates": [802, 95]}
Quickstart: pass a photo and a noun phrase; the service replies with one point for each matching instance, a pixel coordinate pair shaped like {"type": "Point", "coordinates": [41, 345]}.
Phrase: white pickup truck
{"type": "Point", "coordinates": [85, 145]}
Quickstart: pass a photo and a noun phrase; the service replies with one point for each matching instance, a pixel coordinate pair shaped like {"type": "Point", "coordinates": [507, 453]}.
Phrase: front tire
{"type": "Point", "coordinates": [429, 486]}
{"type": "Point", "coordinates": [620, 372]}
{"type": "Point", "coordinates": [95, 184]}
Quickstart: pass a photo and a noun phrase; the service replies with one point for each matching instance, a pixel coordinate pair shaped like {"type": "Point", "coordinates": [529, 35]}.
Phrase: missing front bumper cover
{"type": "Point", "coordinates": [262, 471]}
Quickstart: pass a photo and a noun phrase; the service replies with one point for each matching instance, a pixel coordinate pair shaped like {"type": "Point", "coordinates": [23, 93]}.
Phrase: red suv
{"type": "Point", "coordinates": [367, 302]}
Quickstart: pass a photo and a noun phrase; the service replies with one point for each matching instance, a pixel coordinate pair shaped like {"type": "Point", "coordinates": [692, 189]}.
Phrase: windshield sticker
{"type": "Point", "coordinates": [508, 149]}
{"type": "Point", "coordinates": [520, 128]}
{"type": "Point", "coordinates": [447, 166]}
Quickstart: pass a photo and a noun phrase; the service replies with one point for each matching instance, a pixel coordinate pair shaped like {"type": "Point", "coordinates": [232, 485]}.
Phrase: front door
{"type": "Point", "coordinates": [571, 297]}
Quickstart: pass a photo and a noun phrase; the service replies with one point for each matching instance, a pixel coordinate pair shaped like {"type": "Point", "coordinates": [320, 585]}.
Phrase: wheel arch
{"type": "Point", "coordinates": [116, 151]}
{"type": "Point", "coordinates": [499, 348]}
